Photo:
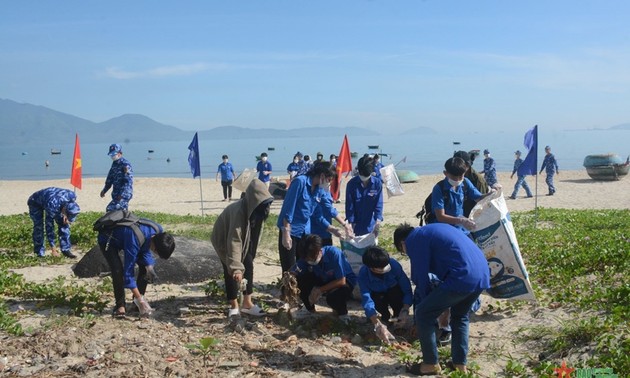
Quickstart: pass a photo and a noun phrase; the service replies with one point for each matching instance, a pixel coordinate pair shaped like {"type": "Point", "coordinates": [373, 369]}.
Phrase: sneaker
{"type": "Point", "coordinates": [301, 313]}
{"type": "Point", "coordinates": [445, 338]}
{"type": "Point", "coordinates": [512, 197]}
{"type": "Point", "coordinates": [530, 196]}
{"type": "Point", "coordinates": [234, 312]}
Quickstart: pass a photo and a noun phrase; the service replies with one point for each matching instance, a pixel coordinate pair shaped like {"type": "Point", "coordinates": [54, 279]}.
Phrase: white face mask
{"type": "Point", "coordinates": [313, 263]}
{"type": "Point", "coordinates": [364, 178]}
{"type": "Point", "coordinates": [264, 159]}
{"type": "Point", "coordinates": [115, 157]}
{"type": "Point", "coordinates": [383, 270]}
{"type": "Point", "coordinates": [455, 182]}
{"type": "Point", "coordinates": [296, 161]}
{"type": "Point", "coordinates": [225, 161]}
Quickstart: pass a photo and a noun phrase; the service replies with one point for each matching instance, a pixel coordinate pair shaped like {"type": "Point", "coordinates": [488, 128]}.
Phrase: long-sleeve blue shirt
{"type": "Point", "coordinates": [226, 170]}
{"type": "Point", "coordinates": [490, 171]}
{"type": "Point", "coordinates": [332, 266]}
{"type": "Point", "coordinates": [549, 164]}
{"type": "Point", "coordinates": [52, 200]}
{"type": "Point", "coordinates": [364, 205]}
{"type": "Point", "coordinates": [329, 212]}
{"type": "Point", "coordinates": [369, 282]}
{"type": "Point", "coordinates": [450, 255]}
{"type": "Point", "coordinates": [123, 238]}
{"type": "Point", "coordinates": [120, 179]}
{"type": "Point", "coordinates": [302, 202]}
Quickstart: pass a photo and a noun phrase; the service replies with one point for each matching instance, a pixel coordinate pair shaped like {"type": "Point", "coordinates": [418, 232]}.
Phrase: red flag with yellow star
{"type": "Point", "coordinates": [75, 177]}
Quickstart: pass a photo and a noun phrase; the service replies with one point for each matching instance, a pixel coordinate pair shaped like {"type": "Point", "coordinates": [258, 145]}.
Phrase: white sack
{"type": "Point", "coordinates": [390, 179]}
{"type": "Point", "coordinates": [495, 236]}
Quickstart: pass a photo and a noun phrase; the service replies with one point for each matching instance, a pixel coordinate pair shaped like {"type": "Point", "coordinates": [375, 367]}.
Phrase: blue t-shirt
{"type": "Point", "coordinates": [329, 212]}
{"type": "Point", "coordinates": [455, 205]}
{"type": "Point", "coordinates": [450, 255]}
{"type": "Point", "coordinates": [263, 166]}
{"type": "Point", "coordinates": [370, 282]}
{"type": "Point", "coordinates": [227, 171]}
{"type": "Point", "coordinates": [364, 205]}
{"type": "Point", "coordinates": [332, 266]}
{"type": "Point", "coordinates": [301, 203]}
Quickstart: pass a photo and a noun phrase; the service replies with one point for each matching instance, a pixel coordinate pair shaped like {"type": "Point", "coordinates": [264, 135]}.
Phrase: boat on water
{"type": "Point", "coordinates": [405, 176]}
{"type": "Point", "coordinates": [271, 148]}
{"type": "Point", "coordinates": [54, 151]}
{"type": "Point", "coordinates": [606, 167]}
{"type": "Point", "coordinates": [354, 154]}
{"type": "Point", "coordinates": [151, 151]}
{"type": "Point", "coordinates": [373, 147]}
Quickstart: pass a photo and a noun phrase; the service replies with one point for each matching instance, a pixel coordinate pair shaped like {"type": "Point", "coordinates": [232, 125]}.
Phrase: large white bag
{"type": "Point", "coordinates": [391, 181]}
{"type": "Point", "coordinates": [495, 236]}
{"type": "Point", "coordinates": [243, 180]}
{"type": "Point", "coordinates": [354, 249]}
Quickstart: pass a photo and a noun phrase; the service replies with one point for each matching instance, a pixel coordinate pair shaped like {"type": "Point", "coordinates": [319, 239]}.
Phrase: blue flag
{"type": "Point", "coordinates": [531, 161]}
{"type": "Point", "coordinates": [193, 157]}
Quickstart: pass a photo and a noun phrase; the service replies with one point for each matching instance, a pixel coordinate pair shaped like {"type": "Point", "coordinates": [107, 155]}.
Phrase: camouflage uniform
{"type": "Point", "coordinates": [51, 201]}
{"type": "Point", "coordinates": [120, 179]}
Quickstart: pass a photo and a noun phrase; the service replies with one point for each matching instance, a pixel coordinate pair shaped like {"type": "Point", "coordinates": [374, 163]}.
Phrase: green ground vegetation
{"type": "Point", "coordinates": [577, 259]}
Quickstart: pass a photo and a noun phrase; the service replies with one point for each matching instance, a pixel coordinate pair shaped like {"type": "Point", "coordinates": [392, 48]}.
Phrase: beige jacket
{"type": "Point", "coordinates": [232, 231]}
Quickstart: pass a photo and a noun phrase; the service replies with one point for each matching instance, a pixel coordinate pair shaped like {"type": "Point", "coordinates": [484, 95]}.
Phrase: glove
{"type": "Point", "coordinates": [143, 306]}
{"type": "Point", "coordinates": [467, 223]}
{"type": "Point", "coordinates": [316, 293]}
{"type": "Point", "coordinates": [286, 238]}
{"type": "Point", "coordinates": [383, 333]}
{"type": "Point", "coordinates": [349, 231]}
{"type": "Point", "coordinates": [151, 276]}
{"type": "Point", "coordinates": [404, 320]}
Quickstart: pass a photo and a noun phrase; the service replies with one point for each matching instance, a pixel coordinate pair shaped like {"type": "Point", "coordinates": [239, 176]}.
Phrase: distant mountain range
{"type": "Point", "coordinates": [27, 123]}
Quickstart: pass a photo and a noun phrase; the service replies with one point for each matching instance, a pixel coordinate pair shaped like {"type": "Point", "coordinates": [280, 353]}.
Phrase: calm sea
{"type": "Point", "coordinates": [425, 154]}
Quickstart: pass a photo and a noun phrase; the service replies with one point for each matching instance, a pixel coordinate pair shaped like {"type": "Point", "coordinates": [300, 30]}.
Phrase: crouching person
{"type": "Point", "coordinates": [384, 284]}
{"type": "Point", "coordinates": [135, 252]}
{"type": "Point", "coordinates": [324, 271]}
{"type": "Point", "coordinates": [235, 237]}
{"type": "Point", "coordinates": [460, 265]}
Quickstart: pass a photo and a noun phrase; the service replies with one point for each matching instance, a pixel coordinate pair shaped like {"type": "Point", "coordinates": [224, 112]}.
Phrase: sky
{"type": "Point", "coordinates": [381, 65]}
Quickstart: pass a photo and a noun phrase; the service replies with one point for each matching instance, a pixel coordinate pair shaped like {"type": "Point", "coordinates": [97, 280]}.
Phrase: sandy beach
{"type": "Point", "coordinates": [576, 190]}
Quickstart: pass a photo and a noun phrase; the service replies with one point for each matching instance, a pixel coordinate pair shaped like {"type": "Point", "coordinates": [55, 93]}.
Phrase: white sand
{"type": "Point", "coordinates": [182, 196]}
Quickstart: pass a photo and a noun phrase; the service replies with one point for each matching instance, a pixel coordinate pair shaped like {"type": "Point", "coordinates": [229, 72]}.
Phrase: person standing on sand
{"type": "Point", "coordinates": [550, 166]}
{"type": "Point", "coordinates": [520, 178]}
{"type": "Point", "coordinates": [235, 237]}
{"type": "Point", "coordinates": [364, 199]}
{"type": "Point", "coordinates": [489, 169]}
{"type": "Point", "coordinates": [226, 171]}
{"type": "Point", "coordinates": [264, 169]}
{"type": "Point", "coordinates": [474, 177]}
{"type": "Point", "coordinates": [462, 268]}
{"type": "Point", "coordinates": [120, 179]}
{"type": "Point", "coordinates": [60, 206]}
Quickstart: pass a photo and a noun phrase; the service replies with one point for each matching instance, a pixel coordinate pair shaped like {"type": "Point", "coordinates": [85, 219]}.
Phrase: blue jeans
{"type": "Point", "coordinates": [426, 313]}
{"type": "Point", "coordinates": [521, 181]}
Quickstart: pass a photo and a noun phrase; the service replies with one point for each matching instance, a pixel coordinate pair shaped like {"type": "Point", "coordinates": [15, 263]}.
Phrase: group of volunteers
{"type": "Point", "coordinates": [448, 270]}
{"type": "Point", "coordinates": [138, 244]}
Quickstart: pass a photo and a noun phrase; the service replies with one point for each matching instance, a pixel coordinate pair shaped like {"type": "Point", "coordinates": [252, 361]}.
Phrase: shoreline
{"type": "Point", "coordinates": [576, 190]}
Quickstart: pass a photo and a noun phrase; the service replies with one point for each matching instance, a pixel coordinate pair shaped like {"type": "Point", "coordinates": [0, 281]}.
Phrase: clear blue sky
{"type": "Point", "coordinates": [382, 65]}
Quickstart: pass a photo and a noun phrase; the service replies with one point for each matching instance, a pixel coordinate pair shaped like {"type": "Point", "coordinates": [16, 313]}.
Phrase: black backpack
{"type": "Point", "coordinates": [122, 218]}
{"type": "Point", "coordinates": [426, 214]}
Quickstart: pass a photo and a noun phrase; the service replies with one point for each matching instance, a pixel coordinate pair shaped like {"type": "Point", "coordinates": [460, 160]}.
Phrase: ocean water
{"type": "Point", "coordinates": [425, 154]}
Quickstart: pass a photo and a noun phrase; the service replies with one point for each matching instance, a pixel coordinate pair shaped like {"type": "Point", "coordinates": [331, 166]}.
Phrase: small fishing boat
{"type": "Point", "coordinates": [24, 153]}
{"type": "Point", "coordinates": [151, 151]}
{"type": "Point", "coordinates": [456, 143]}
{"type": "Point", "coordinates": [55, 151]}
{"type": "Point", "coordinates": [271, 148]}
{"type": "Point", "coordinates": [373, 147]}
{"type": "Point", "coordinates": [606, 167]}
{"type": "Point", "coordinates": [354, 154]}
{"type": "Point", "coordinates": [405, 176]}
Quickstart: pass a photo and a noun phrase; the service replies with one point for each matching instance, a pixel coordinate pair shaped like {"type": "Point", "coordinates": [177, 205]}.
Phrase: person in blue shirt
{"type": "Point", "coordinates": [550, 166]}
{"type": "Point", "coordinates": [60, 207]}
{"type": "Point", "coordinates": [449, 194]}
{"type": "Point", "coordinates": [301, 207]}
{"type": "Point", "coordinates": [377, 167]}
{"type": "Point", "coordinates": [124, 239]}
{"type": "Point", "coordinates": [489, 169]}
{"type": "Point", "coordinates": [333, 161]}
{"type": "Point", "coordinates": [324, 270]}
{"type": "Point", "coordinates": [461, 266]}
{"type": "Point", "coordinates": [120, 179]}
{"type": "Point", "coordinates": [329, 212]}
{"type": "Point", "coordinates": [302, 164]}
{"type": "Point", "coordinates": [364, 199]}
{"type": "Point", "coordinates": [294, 167]}
{"type": "Point", "coordinates": [226, 171]}
{"type": "Point", "coordinates": [264, 169]}
{"type": "Point", "coordinates": [384, 284]}
{"type": "Point", "coordinates": [520, 178]}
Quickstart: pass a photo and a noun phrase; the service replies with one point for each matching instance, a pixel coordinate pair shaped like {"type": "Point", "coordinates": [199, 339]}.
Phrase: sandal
{"type": "Point", "coordinates": [117, 314]}
{"type": "Point", "coordinates": [254, 311]}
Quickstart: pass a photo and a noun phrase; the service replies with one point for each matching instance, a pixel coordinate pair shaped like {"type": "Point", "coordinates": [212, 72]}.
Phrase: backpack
{"type": "Point", "coordinates": [124, 218]}
{"type": "Point", "coordinates": [426, 214]}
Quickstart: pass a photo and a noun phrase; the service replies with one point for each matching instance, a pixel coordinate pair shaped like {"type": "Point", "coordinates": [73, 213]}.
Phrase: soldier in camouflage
{"type": "Point", "coordinates": [60, 207]}
{"type": "Point", "coordinates": [120, 179]}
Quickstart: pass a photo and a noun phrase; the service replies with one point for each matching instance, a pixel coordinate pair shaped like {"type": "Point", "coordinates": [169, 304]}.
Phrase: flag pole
{"type": "Point", "coordinates": [201, 195]}
{"type": "Point", "coordinates": [401, 160]}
